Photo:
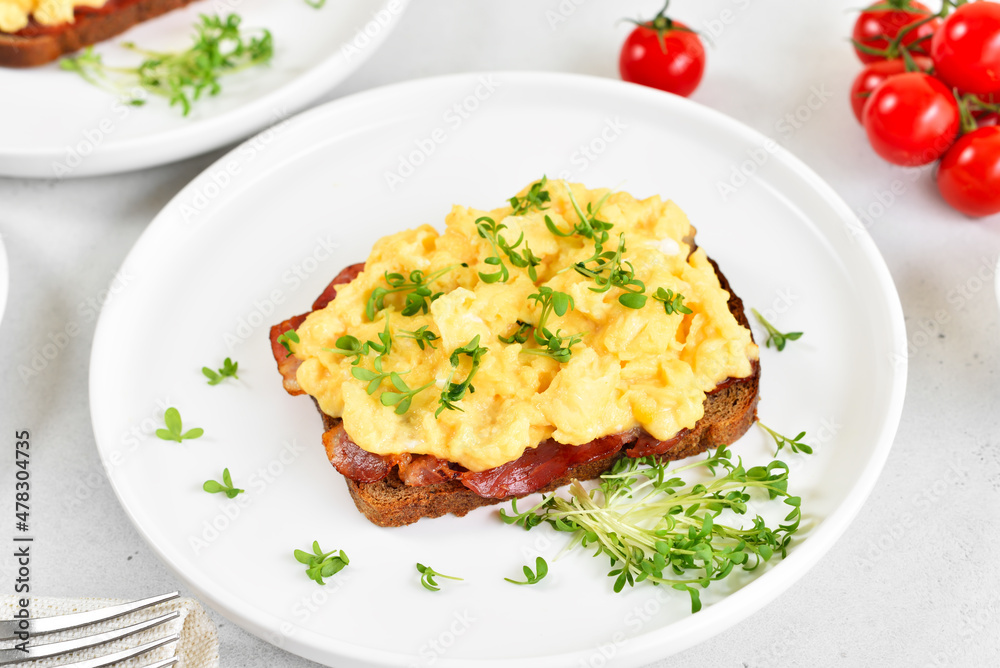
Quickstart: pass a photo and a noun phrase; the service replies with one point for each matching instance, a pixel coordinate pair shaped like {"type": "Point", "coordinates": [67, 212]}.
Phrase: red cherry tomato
{"type": "Point", "coordinates": [966, 50]}
{"type": "Point", "coordinates": [874, 74]}
{"type": "Point", "coordinates": [969, 175]}
{"type": "Point", "coordinates": [663, 54]}
{"type": "Point", "coordinates": [911, 119]}
{"type": "Point", "coordinates": [881, 23]}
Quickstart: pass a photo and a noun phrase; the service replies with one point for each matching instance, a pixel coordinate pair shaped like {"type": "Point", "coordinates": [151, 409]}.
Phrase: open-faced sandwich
{"type": "Point", "coordinates": [519, 349]}
{"type": "Point", "coordinates": [35, 32]}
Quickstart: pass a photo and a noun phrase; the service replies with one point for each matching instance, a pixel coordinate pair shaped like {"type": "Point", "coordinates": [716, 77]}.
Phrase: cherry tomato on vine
{"type": "Point", "coordinates": [911, 119]}
{"type": "Point", "coordinates": [872, 76]}
{"type": "Point", "coordinates": [969, 174]}
{"type": "Point", "coordinates": [966, 50]}
{"type": "Point", "coordinates": [881, 22]}
{"type": "Point", "coordinates": [664, 54]}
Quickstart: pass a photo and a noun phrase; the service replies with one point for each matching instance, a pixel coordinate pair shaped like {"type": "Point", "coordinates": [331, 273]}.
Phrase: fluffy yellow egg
{"type": "Point", "coordinates": [602, 367]}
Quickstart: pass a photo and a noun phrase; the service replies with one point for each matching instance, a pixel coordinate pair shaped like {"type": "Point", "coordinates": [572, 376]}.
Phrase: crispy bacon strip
{"type": "Point", "coordinates": [422, 470]}
{"type": "Point", "coordinates": [537, 467]}
{"type": "Point", "coordinates": [646, 445]}
{"type": "Point", "coordinates": [351, 460]}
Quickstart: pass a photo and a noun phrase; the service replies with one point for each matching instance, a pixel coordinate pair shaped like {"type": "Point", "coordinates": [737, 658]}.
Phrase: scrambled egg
{"type": "Point", "coordinates": [14, 14]}
{"type": "Point", "coordinates": [633, 367]}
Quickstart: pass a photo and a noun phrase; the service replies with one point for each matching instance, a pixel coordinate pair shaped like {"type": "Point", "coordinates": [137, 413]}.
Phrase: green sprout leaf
{"type": "Point", "coordinates": [219, 48]}
{"type": "Point", "coordinates": [427, 575]}
{"type": "Point", "coordinates": [228, 370]}
{"type": "Point", "coordinates": [654, 527]}
{"type": "Point", "coordinates": [226, 486]}
{"type": "Point", "coordinates": [773, 335]}
{"type": "Point", "coordinates": [794, 444]}
{"type": "Point", "coordinates": [673, 302]}
{"type": "Point", "coordinates": [536, 198]}
{"type": "Point", "coordinates": [174, 430]}
{"type": "Point", "coordinates": [533, 577]}
{"type": "Point", "coordinates": [321, 564]}
{"type": "Point", "coordinates": [286, 338]}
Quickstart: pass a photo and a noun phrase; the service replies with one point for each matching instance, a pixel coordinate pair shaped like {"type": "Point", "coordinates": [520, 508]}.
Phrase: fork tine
{"type": "Point", "coordinates": [8, 656]}
{"type": "Point", "coordinates": [9, 628]}
{"type": "Point", "coordinates": [109, 659]}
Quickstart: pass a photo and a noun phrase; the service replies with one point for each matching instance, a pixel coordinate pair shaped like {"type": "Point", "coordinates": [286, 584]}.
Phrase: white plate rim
{"type": "Point", "coordinates": [210, 133]}
{"type": "Point", "coordinates": [691, 630]}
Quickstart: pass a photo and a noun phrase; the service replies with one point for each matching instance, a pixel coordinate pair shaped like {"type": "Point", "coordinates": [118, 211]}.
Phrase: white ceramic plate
{"type": "Point", "coordinates": [230, 256]}
{"type": "Point", "coordinates": [66, 127]}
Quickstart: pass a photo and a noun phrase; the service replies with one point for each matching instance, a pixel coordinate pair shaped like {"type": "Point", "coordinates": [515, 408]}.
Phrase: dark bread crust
{"type": "Point", "coordinates": [730, 410]}
{"type": "Point", "coordinates": [88, 28]}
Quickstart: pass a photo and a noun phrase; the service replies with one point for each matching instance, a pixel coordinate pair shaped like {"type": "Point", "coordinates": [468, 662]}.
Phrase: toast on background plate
{"type": "Point", "coordinates": [477, 383]}
{"type": "Point", "coordinates": [36, 32]}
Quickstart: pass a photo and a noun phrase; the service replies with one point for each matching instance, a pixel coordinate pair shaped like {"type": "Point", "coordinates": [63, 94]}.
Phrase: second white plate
{"type": "Point", "coordinates": [56, 125]}
{"type": "Point", "coordinates": [235, 252]}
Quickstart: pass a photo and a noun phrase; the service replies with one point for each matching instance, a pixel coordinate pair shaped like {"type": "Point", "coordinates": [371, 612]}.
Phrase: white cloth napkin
{"type": "Point", "coordinates": [197, 648]}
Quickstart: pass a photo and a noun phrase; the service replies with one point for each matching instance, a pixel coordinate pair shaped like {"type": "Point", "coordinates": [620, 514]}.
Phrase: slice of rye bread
{"type": "Point", "coordinates": [730, 410]}
{"type": "Point", "coordinates": [89, 27]}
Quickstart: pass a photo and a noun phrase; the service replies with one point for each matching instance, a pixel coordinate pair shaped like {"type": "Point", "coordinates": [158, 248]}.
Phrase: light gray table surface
{"type": "Point", "coordinates": [913, 582]}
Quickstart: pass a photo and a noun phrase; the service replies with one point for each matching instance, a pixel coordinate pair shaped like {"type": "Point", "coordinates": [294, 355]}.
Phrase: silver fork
{"type": "Point", "coordinates": [34, 627]}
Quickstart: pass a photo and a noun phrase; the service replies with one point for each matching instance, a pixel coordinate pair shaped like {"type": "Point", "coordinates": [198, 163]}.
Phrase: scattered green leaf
{"type": "Point", "coordinates": [541, 570]}
{"type": "Point", "coordinates": [228, 370]}
{"type": "Point", "coordinates": [226, 486]}
{"type": "Point", "coordinates": [174, 430]}
{"type": "Point", "coordinates": [773, 335]}
{"type": "Point", "coordinates": [427, 575]}
{"type": "Point", "coordinates": [321, 564]}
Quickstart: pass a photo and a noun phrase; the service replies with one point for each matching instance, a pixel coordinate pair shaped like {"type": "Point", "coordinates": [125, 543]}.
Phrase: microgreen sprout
{"type": "Point", "coordinates": [219, 48]}
{"type": "Point", "coordinates": [422, 336]}
{"type": "Point", "coordinates": [350, 346]}
{"type": "Point", "coordinates": [174, 430]}
{"type": "Point", "coordinates": [536, 198]}
{"type": "Point", "coordinates": [419, 294]}
{"type": "Point", "coordinates": [620, 274]}
{"type": "Point", "coordinates": [228, 370]}
{"type": "Point", "coordinates": [655, 527]}
{"type": "Point", "coordinates": [291, 336]}
{"type": "Point", "coordinates": [556, 346]}
{"type": "Point", "coordinates": [794, 444]}
{"type": "Point", "coordinates": [427, 575]}
{"type": "Point", "coordinates": [373, 378]}
{"type": "Point", "coordinates": [321, 564]}
{"type": "Point", "coordinates": [673, 302]}
{"type": "Point", "coordinates": [455, 392]}
{"type": "Point", "coordinates": [226, 486]}
{"type": "Point", "coordinates": [401, 399]}
{"type": "Point", "coordinates": [533, 577]}
{"type": "Point", "coordinates": [520, 335]}
{"type": "Point", "coordinates": [773, 335]}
